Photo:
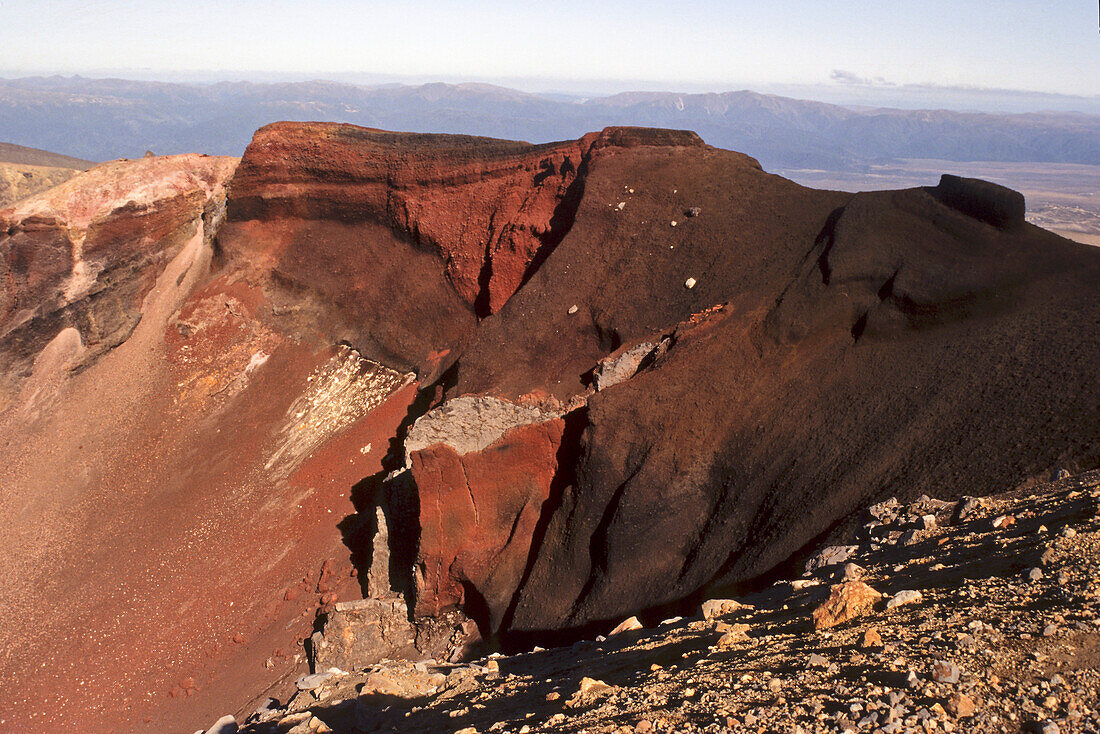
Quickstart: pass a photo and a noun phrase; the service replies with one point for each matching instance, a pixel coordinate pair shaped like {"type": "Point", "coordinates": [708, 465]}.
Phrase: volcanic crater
{"type": "Point", "coordinates": [511, 393]}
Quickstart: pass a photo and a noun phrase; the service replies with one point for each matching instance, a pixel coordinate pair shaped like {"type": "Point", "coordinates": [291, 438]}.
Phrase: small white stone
{"type": "Point", "coordinates": [621, 205]}
{"type": "Point", "coordinates": [673, 222]}
{"type": "Point", "coordinates": [689, 283]}
{"type": "Point", "coordinates": [907, 596]}
{"type": "Point", "coordinates": [573, 309]}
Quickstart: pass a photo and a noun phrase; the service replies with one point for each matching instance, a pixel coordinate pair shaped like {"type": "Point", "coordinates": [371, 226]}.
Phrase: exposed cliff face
{"type": "Point", "coordinates": [85, 254]}
{"type": "Point", "coordinates": [410, 237]}
{"type": "Point", "coordinates": [544, 386]}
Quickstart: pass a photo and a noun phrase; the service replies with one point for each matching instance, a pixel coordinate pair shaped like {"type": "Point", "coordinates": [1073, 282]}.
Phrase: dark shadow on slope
{"type": "Point", "coordinates": [565, 214]}
{"type": "Point", "coordinates": [396, 496]}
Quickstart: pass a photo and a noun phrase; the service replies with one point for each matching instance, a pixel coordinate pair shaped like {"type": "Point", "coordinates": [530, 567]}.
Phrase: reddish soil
{"type": "Point", "coordinates": [159, 567]}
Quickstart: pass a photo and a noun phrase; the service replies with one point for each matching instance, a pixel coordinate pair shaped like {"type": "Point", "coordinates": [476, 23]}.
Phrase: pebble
{"type": "Point", "coordinates": [945, 671]}
{"type": "Point", "coordinates": [1035, 574]}
{"type": "Point", "coordinates": [871, 638]}
{"type": "Point", "coordinates": [852, 572]}
{"type": "Point", "coordinates": [906, 596]}
{"type": "Point", "coordinates": [631, 623]}
{"type": "Point", "coordinates": [909, 537]}
{"type": "Point", "coordinates": [960, 705]}
{"type": "Point", "coordinates": [968, 506]}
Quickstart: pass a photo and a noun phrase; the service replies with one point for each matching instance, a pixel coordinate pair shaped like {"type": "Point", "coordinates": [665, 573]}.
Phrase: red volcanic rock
{"type": "Point", "coordinates": [410, 236]}
{"type": "Point", "coordinates": [480, 500]}
{"type": "Point", "coordinates": [84, 254]}
{"type": "Point", "coordinates": [869, 345]}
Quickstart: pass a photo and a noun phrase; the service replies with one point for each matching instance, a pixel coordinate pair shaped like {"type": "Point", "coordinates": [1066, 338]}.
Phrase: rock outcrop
{"type": "Point", "coordinates": [86, 253]}
{"type": "Point", "coordinates": [479, 507]}
{"type": "Point", "coordinates": [985, 201]}
{"type": "Point", "coordinates": [544, 387]}
{"type": "Point", "coordinates": [411, 237]}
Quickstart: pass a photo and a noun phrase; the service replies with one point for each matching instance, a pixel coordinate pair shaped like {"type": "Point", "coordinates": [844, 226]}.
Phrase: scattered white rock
{"type": "Point", "coordinates": [626, 625]}
{"type": "Point", "coordinates": [907, 596]}
{"type": "Point", "coordinates": [689, 283]}
{"type": "Point", "coordinates": [225, 725]}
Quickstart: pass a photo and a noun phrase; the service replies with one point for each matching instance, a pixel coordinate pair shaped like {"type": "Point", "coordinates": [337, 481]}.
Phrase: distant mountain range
{"type": "Point", "coordinates": [100, 119]}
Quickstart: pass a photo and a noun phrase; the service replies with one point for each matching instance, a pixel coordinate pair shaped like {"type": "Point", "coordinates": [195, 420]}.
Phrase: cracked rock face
{"type": "Point", "coordinates": [482, 483]}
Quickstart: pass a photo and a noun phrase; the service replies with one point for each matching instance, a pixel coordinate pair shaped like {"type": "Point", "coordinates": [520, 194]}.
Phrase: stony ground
{"type": "Point", "coordinates": [982, 615]}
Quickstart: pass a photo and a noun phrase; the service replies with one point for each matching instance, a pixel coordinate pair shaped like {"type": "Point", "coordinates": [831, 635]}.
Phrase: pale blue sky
{"type": "Point", "coordinates": [1043, 45]}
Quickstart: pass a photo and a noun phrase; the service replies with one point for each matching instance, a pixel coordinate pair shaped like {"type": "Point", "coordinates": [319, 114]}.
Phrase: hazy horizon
{"type": "Point", "coordinates": [984, 46]}
{"type": "Point", "coordinates": [838, 91]}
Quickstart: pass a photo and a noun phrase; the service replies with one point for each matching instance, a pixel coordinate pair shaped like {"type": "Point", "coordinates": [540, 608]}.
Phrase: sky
{"type": "Point", "coordinates": [1040, 45]}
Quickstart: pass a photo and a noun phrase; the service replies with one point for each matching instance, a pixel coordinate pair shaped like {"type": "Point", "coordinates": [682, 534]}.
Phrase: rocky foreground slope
{"type": "Point", "coordinates": [511, 394]}
{"type": "Point", "coordinates": [981, 615]}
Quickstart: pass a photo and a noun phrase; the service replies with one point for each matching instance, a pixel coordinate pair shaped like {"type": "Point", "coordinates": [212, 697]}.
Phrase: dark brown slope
{"type": "Point", "coordinates": [865, 346]}
{"type": "Point", "coordinates": [915, 351]}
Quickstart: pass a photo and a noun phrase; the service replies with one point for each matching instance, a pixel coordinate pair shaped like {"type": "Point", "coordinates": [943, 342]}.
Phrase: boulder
{"type": "Point", "coordinates": [482, 487]}
{"type": "Point", "coordinates": [846, 601]}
